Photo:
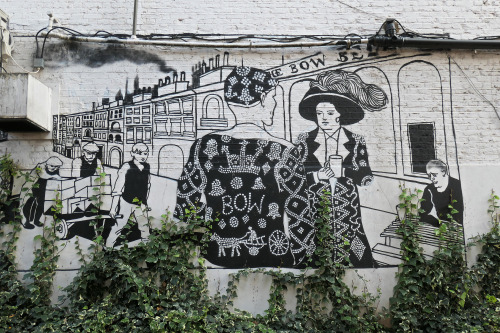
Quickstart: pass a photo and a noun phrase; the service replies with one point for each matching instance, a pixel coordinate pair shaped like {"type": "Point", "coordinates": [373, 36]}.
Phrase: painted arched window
{"type": "Point", "coordinates": [170, 161]}
{"type": "Point", "coordinates": [213, 112]}
{"type": "Point", "coordinates": [421, 114]}
{"type": "Point", "coordinates": [115, 126]}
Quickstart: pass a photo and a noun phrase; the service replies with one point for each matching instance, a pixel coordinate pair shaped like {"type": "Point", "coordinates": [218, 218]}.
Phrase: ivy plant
{"type": "Point", "coordinates": [162, 285]}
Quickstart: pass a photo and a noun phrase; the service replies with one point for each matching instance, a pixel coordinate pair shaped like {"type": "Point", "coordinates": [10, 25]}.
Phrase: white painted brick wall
{"type": "Point", "coordinates": [76, 86]}
{"type": "Point", "coordinates": [462, 19]}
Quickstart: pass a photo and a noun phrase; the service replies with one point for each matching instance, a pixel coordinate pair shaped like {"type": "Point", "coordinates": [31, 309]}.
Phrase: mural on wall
{"type": "Point", "coordinates": [130, 195]}
{"type": "Point", "coordinates": [250, 181]}
{"type": "Point", "coordinates": [437, 195]}
{"type": "Point", "coordinates": [338, 158]}
{"type": "Point", "coordinates": [253, 149]}
{"type": "Point", "coordinates": [34, 202]}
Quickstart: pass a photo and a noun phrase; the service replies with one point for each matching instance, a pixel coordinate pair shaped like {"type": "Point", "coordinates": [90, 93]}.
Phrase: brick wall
{"type": "Point", "coordinates": [455, 91]}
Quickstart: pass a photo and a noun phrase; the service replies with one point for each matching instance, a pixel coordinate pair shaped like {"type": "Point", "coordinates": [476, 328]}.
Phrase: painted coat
{"type": "Point", "coordinates": [247, 187]}
{"type": "Point", "coordinates": [346, 219]}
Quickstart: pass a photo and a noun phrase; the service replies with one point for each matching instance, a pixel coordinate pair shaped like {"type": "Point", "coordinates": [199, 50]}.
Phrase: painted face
{"type": "Point", "coordinates": [51, 168]}
{"type": "Point", "coordinates": [89, 156]}
{"type": "Point", "coordinates": [140, 156]}
{"type": "Point", "coordinates": [328, 117]}
{"type": "Point", "coordinates": [439, 178]}
{"type": "Point", "coordinates": [268, 106]}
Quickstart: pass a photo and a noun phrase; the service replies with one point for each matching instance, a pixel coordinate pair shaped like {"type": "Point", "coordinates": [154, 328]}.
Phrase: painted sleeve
{"type": "Point", "coordinates": [360, 171]}
{"type": "Point", "coordinates": [26, 189]}
{"type": "Point", "coordinates": [426, 205]}
{"type": "Point", "coordinates": [100, 168]}
{"type": "Point", "coordinates": [76, 165]}
{"type": "Point", "coordinates": [290, 174]}
{"type": "Point", "coordinates": [120, 179]}
{"type": "Point", "coordinates": [456, 194]}
{"type": "Point", "coordinates": [191, 184]}
{"type": "Point", "coordinates": [303, 149]}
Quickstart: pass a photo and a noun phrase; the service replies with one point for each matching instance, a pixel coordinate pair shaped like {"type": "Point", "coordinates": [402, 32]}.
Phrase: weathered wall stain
{"type": "Point", "coordinates": [97, 56]}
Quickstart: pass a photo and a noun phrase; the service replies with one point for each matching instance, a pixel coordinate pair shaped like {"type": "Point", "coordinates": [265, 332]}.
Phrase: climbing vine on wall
{"type": "Point", "coordinates": [440, 295]}
{"type": "Point", "coordinates": [161, 285]}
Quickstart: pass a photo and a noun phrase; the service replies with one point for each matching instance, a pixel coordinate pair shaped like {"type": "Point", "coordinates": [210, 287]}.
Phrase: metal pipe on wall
{"type": "Point", "coordinates": [436, 44]}
{"type": "Point", "coordinates": [341, 42]}
{"type": "Point", "coordinates": [134, 26]}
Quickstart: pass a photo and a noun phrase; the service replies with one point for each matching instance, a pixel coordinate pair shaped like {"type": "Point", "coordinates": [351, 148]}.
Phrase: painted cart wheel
{"type": "Point", "coordinates": [278, 243]}
{"type": "Point", "coordinates": [61, 229]}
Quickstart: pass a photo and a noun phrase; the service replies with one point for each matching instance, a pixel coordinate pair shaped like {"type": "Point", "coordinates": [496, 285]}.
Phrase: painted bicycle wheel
{"type": "Point", "coordinates": [278, 243]}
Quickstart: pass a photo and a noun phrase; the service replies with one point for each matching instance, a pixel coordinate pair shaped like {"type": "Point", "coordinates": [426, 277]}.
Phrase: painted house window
{"type": "Point", "coordinates": [422, 145]}
{"type": "Point", "coordinates": [161, 127]}
{"type": "Point", "coordinates": [176, 126]}
{"type": "Point", "coordinates": [187, 105]}
{"type": "Point", "coordinates": [146, 110]}
{"type": "Point", "coordinates": [129, 111]}
{"type": "Point", "coordinates": [139, 135]}
{"type": "Point", "coordinates": [160, 108]}
{"type": "Point", "coordinates": [174, 107]}
{"type": "Point", "coordinates": [147, 135]}
{"type": "Point", "coordinates": [188, 126]}
{"type": "Point", "coordinates": [130, 135]}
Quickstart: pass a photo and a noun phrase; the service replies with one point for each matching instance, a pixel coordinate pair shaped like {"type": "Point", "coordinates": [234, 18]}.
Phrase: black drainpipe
{"type": "Point", "coordinates": [430, 43]}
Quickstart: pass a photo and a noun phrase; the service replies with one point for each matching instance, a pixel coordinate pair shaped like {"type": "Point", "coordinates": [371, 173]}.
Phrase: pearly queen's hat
{"type": "Point", "coordinates": [350, 112]}
{"type": "Point", "coordinates": [347, 92]}
{"type": "Point", "coordinates": [245, 85]}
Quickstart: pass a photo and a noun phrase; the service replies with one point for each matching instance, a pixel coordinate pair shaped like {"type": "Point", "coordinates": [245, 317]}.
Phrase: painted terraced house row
{"type": "Point", "coordinates": [163, 117]}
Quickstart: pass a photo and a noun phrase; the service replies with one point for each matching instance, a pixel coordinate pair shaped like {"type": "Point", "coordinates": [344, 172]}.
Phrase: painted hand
{"type": "Point", "coordinates": [114, 209]}
{"type": "Point", "coordinates": [325, 173]}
